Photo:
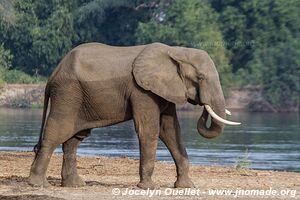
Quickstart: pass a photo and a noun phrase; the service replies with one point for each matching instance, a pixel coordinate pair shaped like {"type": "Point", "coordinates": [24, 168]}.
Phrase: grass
{"type": "Point", "coordinates": [243, 162]}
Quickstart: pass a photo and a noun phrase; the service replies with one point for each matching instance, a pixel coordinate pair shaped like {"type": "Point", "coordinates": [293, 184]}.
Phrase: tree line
{"type": "Point", "coordinates": [252, 42]}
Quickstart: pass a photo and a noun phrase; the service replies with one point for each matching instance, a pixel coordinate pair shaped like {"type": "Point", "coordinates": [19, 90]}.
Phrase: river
{"type": "Point", "coordinates": [263, 141]}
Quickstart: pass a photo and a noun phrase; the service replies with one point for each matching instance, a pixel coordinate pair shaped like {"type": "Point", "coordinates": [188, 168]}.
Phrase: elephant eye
{"type": "Point", "coordinates": [200, 77]}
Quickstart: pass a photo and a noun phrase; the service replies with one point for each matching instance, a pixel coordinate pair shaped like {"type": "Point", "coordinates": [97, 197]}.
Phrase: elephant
{"type": "Point", "coordinates": [97, 85]}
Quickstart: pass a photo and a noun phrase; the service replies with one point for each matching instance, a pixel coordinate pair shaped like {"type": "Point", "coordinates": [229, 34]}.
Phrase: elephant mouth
{"type": "Point", "coordinates": [217, 124]}
{"type": "Point", "coordinates": [217, 111]}
{"type": "Point", "coordinates": [215, 115]}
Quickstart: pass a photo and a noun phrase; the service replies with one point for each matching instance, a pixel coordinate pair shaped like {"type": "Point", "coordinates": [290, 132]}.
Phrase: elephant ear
{"type": "Point", "coordinates": [156, 71]}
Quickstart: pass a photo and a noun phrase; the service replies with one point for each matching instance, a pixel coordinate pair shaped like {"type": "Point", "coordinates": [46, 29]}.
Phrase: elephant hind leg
{"type": "Point", "coordinates": [70, 177]}
{"type": "Point", "coordinates": [56, 132]}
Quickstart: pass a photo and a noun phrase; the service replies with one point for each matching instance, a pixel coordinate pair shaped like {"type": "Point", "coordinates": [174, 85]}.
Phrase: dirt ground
{"type": "Point", "coordinates": [105, 176]}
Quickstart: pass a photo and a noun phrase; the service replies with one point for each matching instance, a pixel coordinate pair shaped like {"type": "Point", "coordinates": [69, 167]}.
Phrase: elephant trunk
{"type": "Point", "coordinates": [216, 127]}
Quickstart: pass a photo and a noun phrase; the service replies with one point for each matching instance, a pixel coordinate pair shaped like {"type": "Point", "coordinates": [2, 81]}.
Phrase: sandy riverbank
{"type": "Point", "coordinates": [102, 174]}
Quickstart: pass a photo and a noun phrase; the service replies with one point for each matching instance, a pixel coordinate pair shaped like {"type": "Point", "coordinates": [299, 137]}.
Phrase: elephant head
{"type": "Point", "coordinates": [180, 74]}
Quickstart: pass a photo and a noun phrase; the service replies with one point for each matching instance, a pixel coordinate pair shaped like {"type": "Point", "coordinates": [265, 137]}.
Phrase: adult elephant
{"type": "Point", "coordinates": [97, 85]}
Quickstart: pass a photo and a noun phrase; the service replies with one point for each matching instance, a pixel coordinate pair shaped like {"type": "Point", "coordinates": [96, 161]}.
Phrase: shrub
{"type": "Point", "coordinates": [5, 62]}
{"type": "Point", "coordinates": [20, 102]}
{"type": "Point", "coordinates": [17, 76]}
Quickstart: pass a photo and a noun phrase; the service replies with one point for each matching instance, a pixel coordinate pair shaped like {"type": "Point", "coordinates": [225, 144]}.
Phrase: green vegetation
{"type": "Point", "coordinates": [269, 51]}
{"type": "Point", "coordinates": [19, 102]}
{"type": "Point", "coordinates": [179, 24]}
{"type": "Point", "coordinates": [252, 42]}
{"type": "Point", "coordinates": [243, 163]}
{"type": "Point", "coordinates": [5, 62]}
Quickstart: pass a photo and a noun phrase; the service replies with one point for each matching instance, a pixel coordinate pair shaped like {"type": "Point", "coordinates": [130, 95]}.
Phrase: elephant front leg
{"type": "Point", "coordinates": [170, 135]}
{"type": "Point", "coordinates": [148, 147]}
{"type": "Point", "coordinates": [147, 127]}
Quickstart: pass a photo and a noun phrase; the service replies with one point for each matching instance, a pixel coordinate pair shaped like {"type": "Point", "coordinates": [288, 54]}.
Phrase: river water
{"type": "Point", "coordinates": [263, 141]}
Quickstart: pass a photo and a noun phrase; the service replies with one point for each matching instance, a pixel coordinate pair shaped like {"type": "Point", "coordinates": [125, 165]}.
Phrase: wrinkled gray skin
{"type": "Point", "coordinates": [96, 85]}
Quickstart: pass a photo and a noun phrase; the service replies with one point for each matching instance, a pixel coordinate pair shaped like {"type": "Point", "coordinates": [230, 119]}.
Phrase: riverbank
{"type": "Point", "coordinates": [103, 174]}
{"type": "Point", "coordinates": [32, 95]}
{"type": "Point", "coordinates": [22, 95]}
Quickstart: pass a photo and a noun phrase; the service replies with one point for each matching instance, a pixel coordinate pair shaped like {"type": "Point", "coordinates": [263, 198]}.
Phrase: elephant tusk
{"type": "Point", "coordinates": [215, 116]}
{"type": "Point", "coordinates": [227, 112]}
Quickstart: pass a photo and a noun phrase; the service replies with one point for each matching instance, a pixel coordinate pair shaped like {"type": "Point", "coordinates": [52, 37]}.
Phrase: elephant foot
{"type": "Point", "coordinates": [147, 185]}
{"type": "Point", "coordinates": [184, 183]}
{"type": "Point", "coordinates": [73, 181]}
{"type": "Point", "coordinates": [38, 181]}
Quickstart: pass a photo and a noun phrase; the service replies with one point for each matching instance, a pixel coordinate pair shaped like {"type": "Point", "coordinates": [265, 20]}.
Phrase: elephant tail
{"type": "Point", "coordinates": [45, 108]}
